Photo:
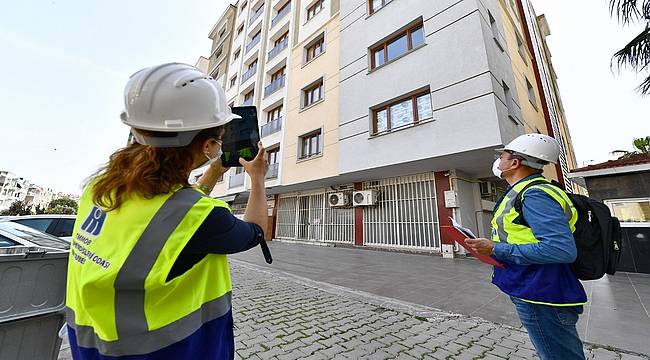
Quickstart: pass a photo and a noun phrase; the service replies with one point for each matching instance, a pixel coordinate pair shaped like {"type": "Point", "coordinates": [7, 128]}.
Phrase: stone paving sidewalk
{"type": "Point", "coordinates": [281, 316]}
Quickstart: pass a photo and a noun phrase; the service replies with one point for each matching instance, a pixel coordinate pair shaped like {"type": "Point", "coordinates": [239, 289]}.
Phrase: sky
{"type": "Point", "coordinates": [65, 64]}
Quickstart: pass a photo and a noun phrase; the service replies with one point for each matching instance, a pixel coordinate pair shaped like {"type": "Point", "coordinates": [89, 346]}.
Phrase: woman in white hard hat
{"type": "Point", "coordinates": [148, 277]}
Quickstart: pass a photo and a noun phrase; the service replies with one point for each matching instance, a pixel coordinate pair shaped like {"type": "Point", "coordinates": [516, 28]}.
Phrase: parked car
{"type": "Point", "coordinates": [53, 224]}
{"type": "Point", "coordinates": [15, 234]}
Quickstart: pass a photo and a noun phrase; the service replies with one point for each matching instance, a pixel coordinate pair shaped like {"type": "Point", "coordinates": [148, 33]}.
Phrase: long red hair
{"type": "Point", "coordinates": [146, 171]}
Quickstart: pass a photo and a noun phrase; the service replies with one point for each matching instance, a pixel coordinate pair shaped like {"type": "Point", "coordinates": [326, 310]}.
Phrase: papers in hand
{"type": "Point", "coordinates": [464, 230]}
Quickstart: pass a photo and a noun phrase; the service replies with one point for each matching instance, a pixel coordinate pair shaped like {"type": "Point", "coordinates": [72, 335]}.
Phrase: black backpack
{"type": "Point", "coordinates": [597, 235]}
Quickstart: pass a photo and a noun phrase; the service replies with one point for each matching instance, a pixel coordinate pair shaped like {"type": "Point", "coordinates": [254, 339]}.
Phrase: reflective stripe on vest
{"type": "Point", "coordinates": [140, 282]}
{"type": "Point", "coordinates": [504, 228]}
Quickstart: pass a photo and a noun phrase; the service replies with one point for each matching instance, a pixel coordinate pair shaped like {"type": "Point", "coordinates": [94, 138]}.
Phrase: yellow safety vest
{"type": "Point", "coordinates": [546, 284]}
{"type": "Point", "coordinates": [118, 298]}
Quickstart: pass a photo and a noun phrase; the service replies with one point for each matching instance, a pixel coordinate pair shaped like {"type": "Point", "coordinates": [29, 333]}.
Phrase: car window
{"type": "Point", "coordinates": [38, 224]}
{"type": "Point", "coordinates": [64, 227]}
{"type": "Point", "coordinates": [5, 241]}
{"type": "Point", "coordinates": [34, 236]}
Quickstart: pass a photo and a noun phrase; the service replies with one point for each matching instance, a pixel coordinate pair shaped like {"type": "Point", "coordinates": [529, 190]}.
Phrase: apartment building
{"type": "Point", "coordinates": [38, 196]}
{"type": "Point", "coordinates": [537, 32]}
{"type": "Point", "coordinates": [12, 188]}
{"type": "Point", "coordinates": [381, 116]}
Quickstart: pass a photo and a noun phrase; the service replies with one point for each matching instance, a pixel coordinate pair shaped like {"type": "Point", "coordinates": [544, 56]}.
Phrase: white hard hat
{"type": "Point", "coordinates": [538, 149]}
{"type": "Point", "coordinates": [175, 98]}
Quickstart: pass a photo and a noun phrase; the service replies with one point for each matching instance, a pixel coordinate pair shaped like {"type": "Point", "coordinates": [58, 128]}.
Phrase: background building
{"type": "Point", "coordinates": [381, 116]}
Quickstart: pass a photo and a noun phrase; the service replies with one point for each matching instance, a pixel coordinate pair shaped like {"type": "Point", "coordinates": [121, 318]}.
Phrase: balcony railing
{"type": "Point", "coordinates": [256, 15]}
{"type": "Point", "coordinates": [249, 73]}
{"type": "Point", "coordinates": [280, 15]}
{"type": "Point", "coordinates": [274, 86]}
{"type": "Point", "coordinates": [272, 173]}
{"type": "Point", "coordinates": [272, 127]}
{"type": "Point", "coordinates": [253, 42]}
{"type": "Point", "coordinates": [236, 180]}
{"type": "Point", "coordinates": [278, 48]}
{"type": "Point", "coordinates": [248, 102]}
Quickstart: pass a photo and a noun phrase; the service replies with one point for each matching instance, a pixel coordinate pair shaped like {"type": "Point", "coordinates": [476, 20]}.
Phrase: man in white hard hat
{"type": "Point", "coordinates": [533, 238]}
{"type": "Point", "coordinates": [148, 277]}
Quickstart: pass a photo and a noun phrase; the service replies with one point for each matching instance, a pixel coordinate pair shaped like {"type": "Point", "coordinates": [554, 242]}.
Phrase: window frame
{"type": "Point", "coordinates": [318, 135]}
{"type": "Point", "coordinates": [269, 115]}
{"type": "Point", "coordinates": [252, 95]}
{"type": "Point", "coordinates": [609, 203]}
{"type": "Point", "coordinates": [384, 45]}
{"type": "Point", "coordinates": [308, 91]}
{"type": "Point", "coordinates": [414, 111]}
{"type": "Point", "coordinates": [240, 29]}
{"type": "Point", "coordinates": [279, 73]}
{"type": "Point", "coordinates": [233, 82]}
{"type": "Point", "coordinates": [372, 10]}
{"type": "Point", "coordinates": [276, 152]}
{"type": "Point", "coordinates": [236, 55]}
{"type": "Point", "coordinates": [311, 10]}
{"type": "Point", "coordinates": [310, 49]}
{"type": "Point", "coordinates": [532, 97]}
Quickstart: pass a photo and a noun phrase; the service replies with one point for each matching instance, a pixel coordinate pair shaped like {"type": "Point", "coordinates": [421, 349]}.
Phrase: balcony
{"type": "Point", "coordinates": [248, 102]}
{"type": "Point", "coordinates": [253, 42]}
{"type": "Point", "coordinates": [280, 15]}
{"type": "Point", "coordinates": [256, 15]}
{"type": "Point", "coordinates": [236, 180]}
{"type": "Point", "coordinates": [272, 127]}
{"type": "Point", "coordinates": [272, 173]}
{"type": "Point", "coordinates": [274, 86]}
{"type": "Point", "coordinates": [278, 48]}
{"type": "Point", "coordinates": [248, 74]}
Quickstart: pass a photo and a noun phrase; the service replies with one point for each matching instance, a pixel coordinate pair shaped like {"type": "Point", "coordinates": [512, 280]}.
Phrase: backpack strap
{"type": "Point", "coordinates": [518, 205]}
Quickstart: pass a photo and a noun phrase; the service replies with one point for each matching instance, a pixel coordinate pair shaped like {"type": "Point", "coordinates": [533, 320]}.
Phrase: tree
{"type": "Point", "coordinates": [62, 209]}
{"type": "Point", "coordinates": [60, 203]}
{"type": "Point", "coordinates": [17, 208]}
{"type": "Point", "coordinates": [642, 146]}
{"type": "Point", "coordinates": [40, 210]}
{"type": "Point", "coordinates": [636, 54]}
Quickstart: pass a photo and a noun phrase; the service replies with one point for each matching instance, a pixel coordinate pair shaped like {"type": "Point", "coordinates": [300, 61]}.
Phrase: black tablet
{"type": "Point", "coordinates": [241, 137]}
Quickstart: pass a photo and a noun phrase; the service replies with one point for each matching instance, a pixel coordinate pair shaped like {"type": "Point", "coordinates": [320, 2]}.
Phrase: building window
{"type": "Point", "coordinates": [252, 65]}
{"type": "Point", "coordinates": [375, 5]}
{"type": "Point", "coordinates": [282, 38]}
{"type": "Point", "coordinates": [631, 211]}
{"type": "Point", "coordinates": [514, 8]}
{"type": "Point", "coordinates": [495, 31]}
{"type": "Point", "coordinates": [315, 9]}
{"type": "Point", "coordinates": [256, 37]}
{"type": "Point", "coordinates": [315, 48]}
{"type": "Point", "coordinates": [248, 97]}
{"type": "Point", "coordinates": [313, 93]}
{"type": "Point", "coordinates": [223, 31]}
{"type": "Point", "coordinates": [273, 155]}
{"type": "Point", "coordinates": [243, 7]}
{"type": "Point", "coordinates": [240, 29]}
{"type": "Point", "coordinates": [236, 55]}
{"type": "Point", "coordinates": [521, 48]}
{"type": "Point", "coordinates": [531, 94]}
{"type": "Point", "coordinates": [310, 144]}
{"type": "Point", "coordinates": [405, 111]}
{"type": "Point", "coordinates": [233, 81]}
{"type": "Point", "coordinates": [508, 95]}
{"type": "Point", "coordinates": [397, 46]}
{"type": "Point", "coordinates": [274, 114]}
{"type": "Point", "coordinates": [278, 74]}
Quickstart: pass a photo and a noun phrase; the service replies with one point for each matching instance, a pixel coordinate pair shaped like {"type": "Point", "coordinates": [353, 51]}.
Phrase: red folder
{"type": "Point", "coordinates": [458, 236]}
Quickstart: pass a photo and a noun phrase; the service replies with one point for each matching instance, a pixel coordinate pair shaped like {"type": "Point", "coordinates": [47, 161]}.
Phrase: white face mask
{"type": "Point", "coordinates": [212, 160]}
{"type": "Point", "coordinates": [495, 168]}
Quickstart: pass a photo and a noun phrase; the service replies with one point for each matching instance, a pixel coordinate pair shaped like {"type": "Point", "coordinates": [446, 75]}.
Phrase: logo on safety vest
{"type": "Point", "coordinates": [94, 222]}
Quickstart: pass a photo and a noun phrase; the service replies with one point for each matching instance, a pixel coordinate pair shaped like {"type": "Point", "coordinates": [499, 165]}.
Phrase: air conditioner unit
{"type": "Point", "coordinates": [338, 199]}
{"type": "Point", "coordinates": [487, 188]}
{"type": "Point", "coordinates": [365, 197]}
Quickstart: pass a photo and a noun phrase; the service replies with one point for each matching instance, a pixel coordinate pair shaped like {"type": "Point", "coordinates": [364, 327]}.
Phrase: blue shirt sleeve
{"type": "Point", "coordinates": [550, 226]}
{"type": "Point", "coordinates": [223, 233]}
